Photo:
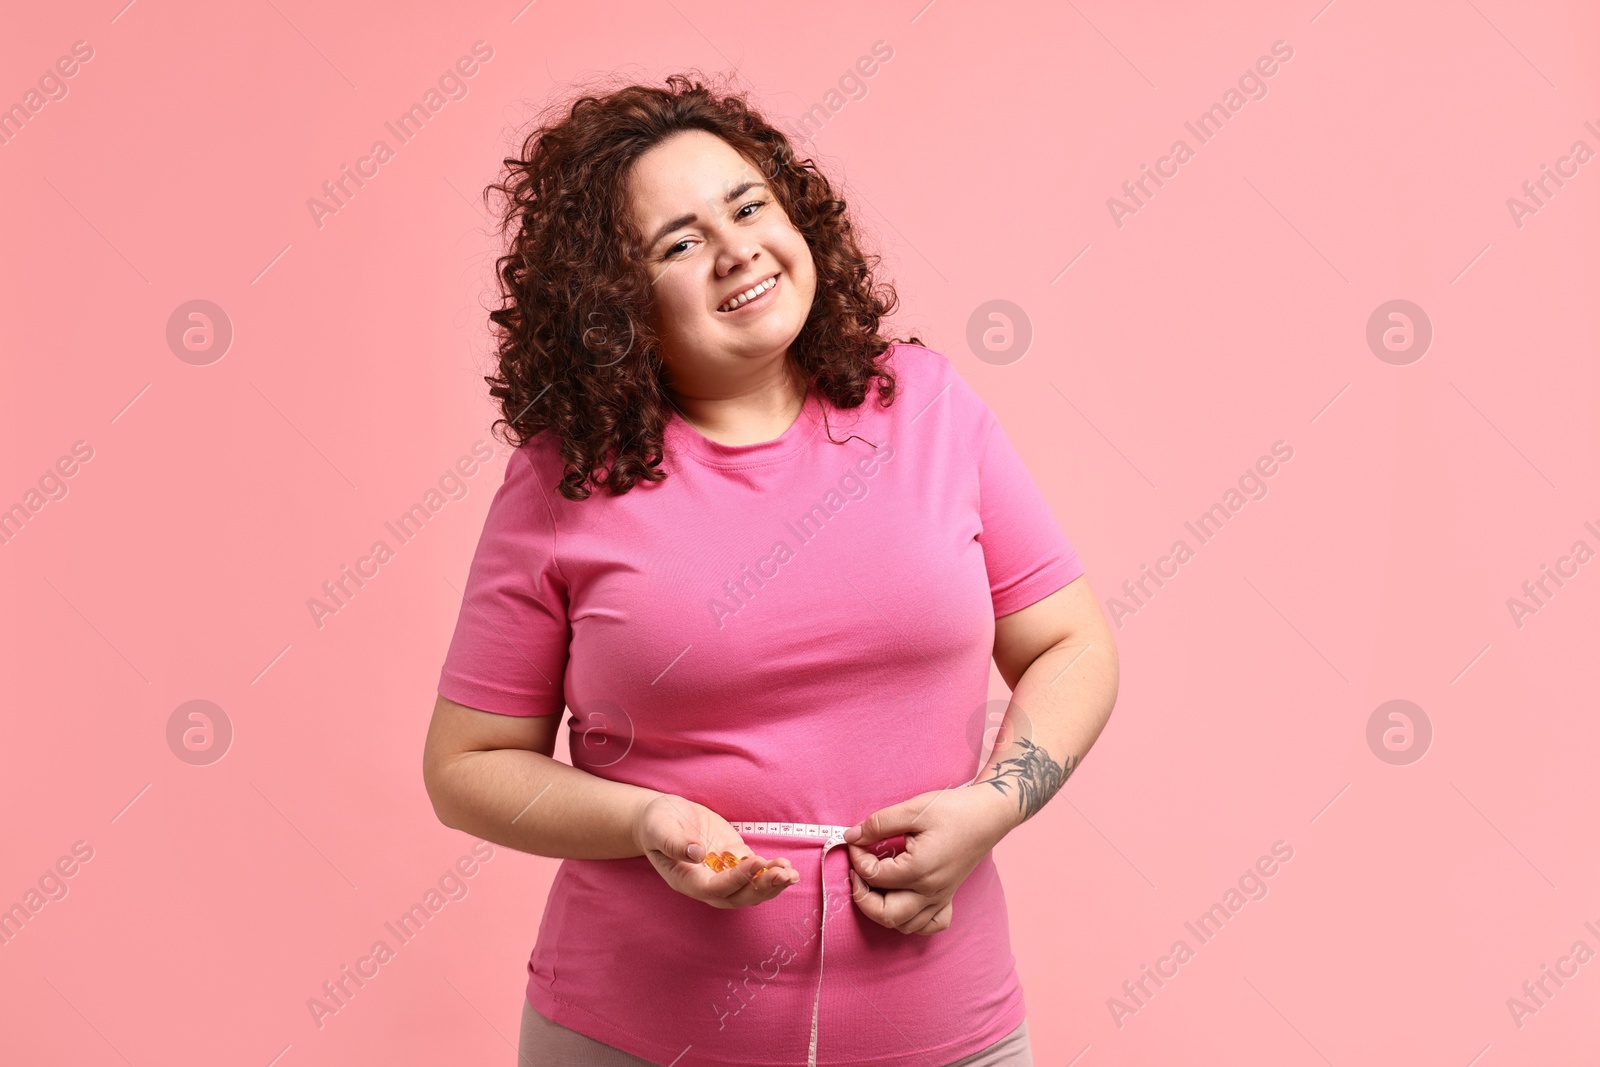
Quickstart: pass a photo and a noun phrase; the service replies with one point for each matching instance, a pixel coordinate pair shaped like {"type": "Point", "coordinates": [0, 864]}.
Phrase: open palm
{"type": "Point", "coordinates": [676, 834]}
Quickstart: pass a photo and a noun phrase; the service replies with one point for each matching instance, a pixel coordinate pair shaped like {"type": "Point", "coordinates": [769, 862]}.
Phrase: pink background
{"type": "Point", "coordinates": [1228, 313]}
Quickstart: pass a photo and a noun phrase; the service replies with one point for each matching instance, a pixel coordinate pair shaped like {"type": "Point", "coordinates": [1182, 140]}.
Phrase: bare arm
{"type": "Point", "coordinates": [494, 776]}
{"type": "Point", "coordinates": [1060, 660]}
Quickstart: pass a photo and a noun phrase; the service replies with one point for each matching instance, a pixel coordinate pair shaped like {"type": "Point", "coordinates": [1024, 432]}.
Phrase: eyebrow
{"type": "Point", "coordinates": [683, 220]}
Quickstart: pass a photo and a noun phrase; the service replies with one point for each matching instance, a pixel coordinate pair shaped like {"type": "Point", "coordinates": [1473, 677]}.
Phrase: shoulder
{"type": "Point", "coordinates": [928, 374]}
{"type": "Point", "coordinates": [918, 362]}
{"type": "Point", "coordinates": [533, 470]}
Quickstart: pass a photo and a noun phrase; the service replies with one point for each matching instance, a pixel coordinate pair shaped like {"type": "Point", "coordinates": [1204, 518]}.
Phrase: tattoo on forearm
{"type": "Point", "coordinates": [1036, 776]}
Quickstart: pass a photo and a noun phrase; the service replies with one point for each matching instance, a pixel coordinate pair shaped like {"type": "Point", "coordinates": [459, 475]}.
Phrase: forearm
{"type": "Point", "coordinates": [533, 803]}
{"type": "Point", "coordinates": [1057, 710]}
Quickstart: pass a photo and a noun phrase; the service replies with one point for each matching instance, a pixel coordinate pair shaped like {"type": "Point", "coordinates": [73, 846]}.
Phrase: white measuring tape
{"type": "Point", "coordinates": [830, 836]}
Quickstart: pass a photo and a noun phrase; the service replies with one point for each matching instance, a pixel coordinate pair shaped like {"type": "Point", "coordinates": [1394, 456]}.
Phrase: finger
{"type": "Point", "coordinates": [780, 874]}
{"type": "Point", "coordinates": [727, 855]}
{"type": "Point", "coordinates": [731, 879]}
{"type": "Point", "coordinates": [677, 845]}
{"type": "Point", "coordinates": [940, 921]}
{"type": "Point", "coordinates": [723, 889]}
{"type": "Point", "coordinates": [887, 822]}
{"type": "Point", "coordinates": [743, 876]}
{"type": "Point", "coordinates": [899, 872]}
{"type": "Point", "coordinates": [871, 904]}
{"type": "Point", "coordinates": [921, 919]}
{"type": "Point", "coordinates": [764, 886]}
{"type": "Point", "coordinates": [682, 842]}
{"type": "Point", "coordinates": [888, 909]}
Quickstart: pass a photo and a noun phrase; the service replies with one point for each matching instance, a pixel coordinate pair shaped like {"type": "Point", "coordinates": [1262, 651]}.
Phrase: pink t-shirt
{"type": "Point", "coordinates": [795, 630]}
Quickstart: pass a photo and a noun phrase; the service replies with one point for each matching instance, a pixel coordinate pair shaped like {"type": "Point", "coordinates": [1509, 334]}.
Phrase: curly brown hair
{"type": "Point", "coordinates": [577, 353]}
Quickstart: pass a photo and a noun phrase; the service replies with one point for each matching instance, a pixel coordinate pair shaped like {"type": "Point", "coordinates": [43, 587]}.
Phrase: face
{"type": "Point", "coordinates": [713, 229]}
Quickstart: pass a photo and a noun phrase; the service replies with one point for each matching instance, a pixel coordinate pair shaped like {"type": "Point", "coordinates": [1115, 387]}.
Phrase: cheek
{"type": "Point", "coordinates": [678, 301]}
{"type": "Point", "coordinates": [808, 265]}
{"type": "Point", "coordinates": [805, 270]}
{"type": "Point", "coordinates": [792, 244]}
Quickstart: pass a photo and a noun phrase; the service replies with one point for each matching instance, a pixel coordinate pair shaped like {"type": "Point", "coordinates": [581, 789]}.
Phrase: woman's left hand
{"type": "Point", "coordinates": [947, 833]}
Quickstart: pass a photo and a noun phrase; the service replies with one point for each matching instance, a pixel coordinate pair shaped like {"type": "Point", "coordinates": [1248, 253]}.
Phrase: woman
{"type": "Point", "coordinates": [768, 634]}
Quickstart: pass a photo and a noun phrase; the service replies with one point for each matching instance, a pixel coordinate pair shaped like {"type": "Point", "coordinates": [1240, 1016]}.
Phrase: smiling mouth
{"type": "Point", "coordinates": [755, 292]}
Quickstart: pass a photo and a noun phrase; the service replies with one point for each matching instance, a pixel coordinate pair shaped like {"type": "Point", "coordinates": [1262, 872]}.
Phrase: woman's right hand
{"type": "Point", "coordinates": [675, 835]}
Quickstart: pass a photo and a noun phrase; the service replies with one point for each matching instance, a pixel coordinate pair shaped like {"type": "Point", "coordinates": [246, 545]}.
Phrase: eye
{"type": "Point", "coordinates": [740, 215]}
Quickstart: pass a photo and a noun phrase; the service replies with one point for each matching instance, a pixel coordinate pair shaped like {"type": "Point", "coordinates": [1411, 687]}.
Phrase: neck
{"type": "Point", "coordinates": [743, 412]}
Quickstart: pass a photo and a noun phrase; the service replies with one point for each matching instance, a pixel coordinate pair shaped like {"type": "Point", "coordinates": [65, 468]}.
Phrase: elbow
{"type": "Point", "coordinates": [437, 784]}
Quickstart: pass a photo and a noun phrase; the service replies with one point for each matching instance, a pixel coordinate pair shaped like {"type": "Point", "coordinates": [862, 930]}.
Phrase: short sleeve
{"type": "Point", "coordinates": [509, 651]}
{"type": "Point", "coordinates": [1025, 551]}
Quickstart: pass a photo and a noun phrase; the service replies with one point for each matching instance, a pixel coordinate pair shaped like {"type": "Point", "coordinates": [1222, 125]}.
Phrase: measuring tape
{"type": "Point", "coordinates": [830, 836]}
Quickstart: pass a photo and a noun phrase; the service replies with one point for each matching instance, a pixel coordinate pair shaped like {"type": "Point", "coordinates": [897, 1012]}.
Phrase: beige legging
{"type": "Point", "coordinates": [547, 1044]}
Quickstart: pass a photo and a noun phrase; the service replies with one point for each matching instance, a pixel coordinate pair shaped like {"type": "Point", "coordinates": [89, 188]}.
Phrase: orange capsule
{"type": "Point", "coordinates": [722, 861]}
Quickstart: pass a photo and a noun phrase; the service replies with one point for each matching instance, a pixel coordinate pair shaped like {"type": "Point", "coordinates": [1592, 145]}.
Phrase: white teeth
{"type": "Point", "coordinates": [749, 294]}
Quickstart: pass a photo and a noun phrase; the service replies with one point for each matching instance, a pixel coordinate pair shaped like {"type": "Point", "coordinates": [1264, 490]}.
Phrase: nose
{"type": "Point", "coordinates": [734, 256]}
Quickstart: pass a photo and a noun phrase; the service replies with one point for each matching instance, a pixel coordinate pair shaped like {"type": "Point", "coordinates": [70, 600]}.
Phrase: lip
{"type": "Point", "coordinates": [760, 300]}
